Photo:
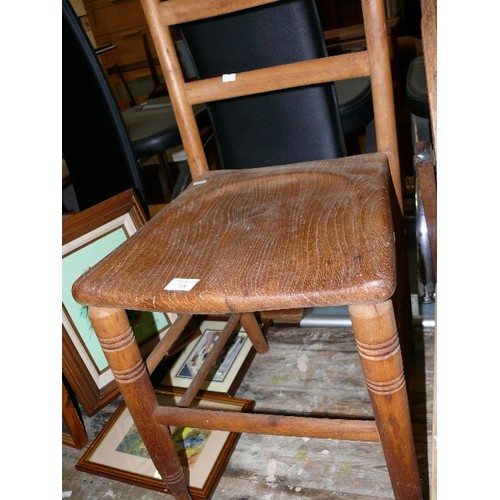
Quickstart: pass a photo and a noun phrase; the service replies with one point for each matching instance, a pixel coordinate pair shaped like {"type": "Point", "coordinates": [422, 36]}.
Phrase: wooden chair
{"type": "Point", "coordinates": [236, 242]}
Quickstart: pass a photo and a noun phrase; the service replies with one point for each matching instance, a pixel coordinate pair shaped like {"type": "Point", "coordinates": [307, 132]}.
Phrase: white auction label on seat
{"type": "Point", "coordinates": [183, 284]}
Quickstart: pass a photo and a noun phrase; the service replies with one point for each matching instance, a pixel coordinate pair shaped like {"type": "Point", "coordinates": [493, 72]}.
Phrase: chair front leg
{"type": "Point", "coordinates": [378, 346]}
{"type": "Point", "coordinates": [122, 353]}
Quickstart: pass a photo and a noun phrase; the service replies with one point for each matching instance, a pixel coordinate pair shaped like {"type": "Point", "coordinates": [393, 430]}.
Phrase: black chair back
{"type": "Point", "coordinates": [95, 143]}
{"type": "Point", "coordinates": [276, 128]}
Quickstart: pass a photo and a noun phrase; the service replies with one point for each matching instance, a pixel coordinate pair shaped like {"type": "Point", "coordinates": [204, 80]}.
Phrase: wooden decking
{"type": "Point", "coordinates": [305, 368]}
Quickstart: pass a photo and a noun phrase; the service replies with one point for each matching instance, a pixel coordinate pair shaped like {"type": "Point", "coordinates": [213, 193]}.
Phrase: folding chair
{"type": "Point", "coordinates": [240, 241]}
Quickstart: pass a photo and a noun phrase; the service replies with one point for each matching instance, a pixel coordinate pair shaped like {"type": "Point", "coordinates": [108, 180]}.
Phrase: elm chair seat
{"type": "Point", "coordinates": [248, 216]}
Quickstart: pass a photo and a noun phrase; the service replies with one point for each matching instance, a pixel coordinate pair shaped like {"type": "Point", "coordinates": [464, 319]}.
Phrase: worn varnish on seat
{"type": "Point", "coordinates": [262, 239]}
{"type": "Point", "coordinates": [301, 235]}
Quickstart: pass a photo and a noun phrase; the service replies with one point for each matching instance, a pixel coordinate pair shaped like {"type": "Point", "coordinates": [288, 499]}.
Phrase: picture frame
{"type": "Point", "coordinates": [87, 237]}
{"type": "Point", "coordinates": [229, 369]}
{"type": "Point", "coordinates": [73, 430]}
{"type": "Point", "coordinates": [119, 454]}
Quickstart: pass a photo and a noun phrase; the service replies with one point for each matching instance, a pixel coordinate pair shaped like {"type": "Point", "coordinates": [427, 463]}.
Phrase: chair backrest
{"type": "Point", "coordinates": [232, 83]}
{"type": "Point", "coordinates": [95, 142]}
{"type": "Point", "coordinates": [286, 126]}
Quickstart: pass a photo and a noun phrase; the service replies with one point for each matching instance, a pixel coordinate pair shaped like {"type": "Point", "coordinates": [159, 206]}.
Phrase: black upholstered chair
{"type": "Point", "coordinates": [102, 146]}
{"type": "Point", "coordinates": [266, 129]}
{"type": "Point", "coordinates": [95, 143]}
{"type": "Point", "coordinates": [153, 130]}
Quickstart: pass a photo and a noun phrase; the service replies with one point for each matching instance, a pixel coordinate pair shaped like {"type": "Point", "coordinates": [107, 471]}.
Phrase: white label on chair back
{"type": "Point", "coordinates": [229, 77]}
{"type": "Point", "coordinates": [183, 284]}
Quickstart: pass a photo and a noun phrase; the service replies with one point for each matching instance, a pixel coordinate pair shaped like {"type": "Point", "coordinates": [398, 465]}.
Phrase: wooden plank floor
{"type": "Point", "coordinates": [306, 368]}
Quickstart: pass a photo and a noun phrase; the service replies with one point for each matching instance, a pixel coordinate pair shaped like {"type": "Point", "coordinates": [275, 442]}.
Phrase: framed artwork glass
{"type": "Point", "coordinates": [118, 451]}
{"type": "Point", "coordinates": [87, 237]}
{"type": "Point", "coordinates": [228, 371]}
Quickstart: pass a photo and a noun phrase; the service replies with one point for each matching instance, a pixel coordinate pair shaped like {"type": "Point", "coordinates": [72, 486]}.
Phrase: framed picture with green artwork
{"type": "Point", "coordinates": [87, 237]}
{"type": "Point", "coordinates": [118, 451]}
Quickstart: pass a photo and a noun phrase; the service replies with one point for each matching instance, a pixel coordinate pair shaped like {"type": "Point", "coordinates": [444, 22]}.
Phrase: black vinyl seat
{"type": "Point", "coordinates": [95, 143]}
{"type": "Point", "coordinates": [278, 127]}
{"type": "Point", "coordinates": [354, 98]}
{"type": "Point", "coordinates": [416, 88]}
{"type": "Point", "coordinates": [153, 130]}
{"type": "Point", "coordinates": [152, 127]}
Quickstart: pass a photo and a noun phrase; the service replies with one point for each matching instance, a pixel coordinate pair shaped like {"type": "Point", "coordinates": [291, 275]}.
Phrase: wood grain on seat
{"type": "Point", "coordinates": [232, 230]}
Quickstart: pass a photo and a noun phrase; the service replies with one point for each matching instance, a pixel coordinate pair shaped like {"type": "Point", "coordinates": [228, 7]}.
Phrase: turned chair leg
{"type": "Point", "coordinates": [117, 341]}
{"type": "Point", "coordinates": [378, 346]}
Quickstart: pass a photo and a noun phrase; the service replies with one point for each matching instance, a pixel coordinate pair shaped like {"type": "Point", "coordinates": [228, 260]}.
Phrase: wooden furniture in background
{"type": "Point", "coordinates": [236, 241]}
{"type": "Point", "coordinates": [158, 88]}
{"type": "Point", "coordinates": [122, 24]}
{"type": "Point", "coordinates": [429, 45]}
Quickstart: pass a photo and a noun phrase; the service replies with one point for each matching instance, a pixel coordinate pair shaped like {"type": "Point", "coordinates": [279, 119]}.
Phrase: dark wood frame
{"type": "Point", "coordinates": [89, 394]}
{"type": "Point", "coordinates": [86, 464]}
{"type": "Point", "coordinates": [74, 433]}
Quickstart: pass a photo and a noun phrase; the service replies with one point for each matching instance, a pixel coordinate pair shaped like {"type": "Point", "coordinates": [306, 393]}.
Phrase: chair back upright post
{"type": "Point", "coordinates": [377, 42]}
{"type": "Point", "coordinates": [382, 88]}
{"type": "Point", "coordinates": [174, 79]}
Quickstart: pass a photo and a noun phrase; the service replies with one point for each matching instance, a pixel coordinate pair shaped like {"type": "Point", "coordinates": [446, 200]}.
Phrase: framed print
{"type": "Point", "coordinates": [229, 369]}
{"type": "Point", "coordinates": [87, 237]}
{"type": "Point", "coordinates": [118, 451]}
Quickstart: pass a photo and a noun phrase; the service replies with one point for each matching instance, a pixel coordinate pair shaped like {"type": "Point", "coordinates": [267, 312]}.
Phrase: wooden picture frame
{"type": "Point", "coordinates": [227, 373]}
{"type": "Point", "coordinates": [73, 430]}
{"type": "Point", "coordinates": [87, 237]}
{"type": "Point", "coordinates": [118, 452]}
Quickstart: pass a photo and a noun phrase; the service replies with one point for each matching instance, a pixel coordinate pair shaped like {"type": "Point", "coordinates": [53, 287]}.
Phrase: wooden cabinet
{"type": "Point", "coordinates": [107, 17]}
{"type": "Point", "coordinates": [122, 24]}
